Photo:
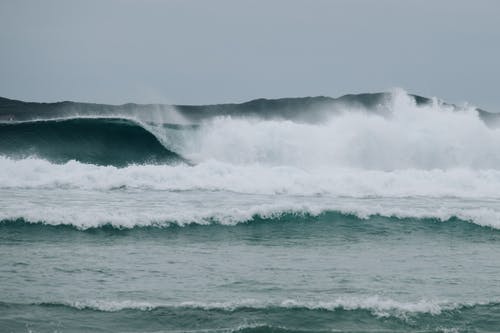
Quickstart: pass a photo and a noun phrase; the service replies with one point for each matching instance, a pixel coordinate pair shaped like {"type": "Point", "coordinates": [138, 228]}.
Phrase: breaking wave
{"type": "Point", "coordinates": [345, 315]}
{"type": "Point", "coordinates": [376, 305]}
{"type": "Point", "coordinates": [395, 147]}
{"type": "Point", "coordinates": [398, 133]}
{"type": "Point", "coordinates": [400, 217]}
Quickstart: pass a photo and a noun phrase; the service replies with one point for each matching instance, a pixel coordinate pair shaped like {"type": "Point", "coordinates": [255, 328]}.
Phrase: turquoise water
{"type": "Point", "coordinates": [292, 273]}
{"type": "Point", "coordinates": [375, 220]}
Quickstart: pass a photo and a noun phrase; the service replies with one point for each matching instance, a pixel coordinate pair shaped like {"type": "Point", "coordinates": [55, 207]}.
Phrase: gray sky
{"type": "Point", "coordinates": [197, 52]}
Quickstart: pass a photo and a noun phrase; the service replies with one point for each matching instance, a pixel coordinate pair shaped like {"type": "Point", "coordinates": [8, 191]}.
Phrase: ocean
{"type": "Point", "coordinates": [366, 213]}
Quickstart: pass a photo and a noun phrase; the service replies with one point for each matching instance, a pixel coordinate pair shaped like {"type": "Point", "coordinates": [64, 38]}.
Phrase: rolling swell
{"type": "Point", "coordinates": [329, 221]}
{"type": "Point", "coordinates": [417, 317]}
{"type": "Point", "coordinates": [100, 141]}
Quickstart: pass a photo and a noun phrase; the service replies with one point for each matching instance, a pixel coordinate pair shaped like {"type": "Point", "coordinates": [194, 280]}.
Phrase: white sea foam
{"type": "Point", "coordinates": [91, 210]}
{"type": "Point", "coordinates": [431, 150]}
{"type": "Point", "coordinates": [256, 179]}
{"type": "Point", "coordinates": [408, 136]}
{"type": "Point", "coordinates": [268, 167]}
{"type": "Point", "coordinates": [377, 305]}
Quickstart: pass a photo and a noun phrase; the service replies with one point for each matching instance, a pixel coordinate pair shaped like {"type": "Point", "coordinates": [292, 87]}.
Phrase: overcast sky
{"type": "Point", "coordinates": [197, 52]}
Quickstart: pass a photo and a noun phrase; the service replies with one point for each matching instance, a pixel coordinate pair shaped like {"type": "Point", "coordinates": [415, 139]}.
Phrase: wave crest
{"type": "Point", "coordinates": [481, 217]}
{"type": "Point", "coordinates": [376, 305]}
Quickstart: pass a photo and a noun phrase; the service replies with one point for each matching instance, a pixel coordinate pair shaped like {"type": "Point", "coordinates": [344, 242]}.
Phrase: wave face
{"type": "Point", "coordinates": [104, 141]}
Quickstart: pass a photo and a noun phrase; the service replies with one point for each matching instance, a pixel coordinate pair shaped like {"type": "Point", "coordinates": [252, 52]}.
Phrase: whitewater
{"type": "Point", "coordinates": [406, 151]}
{"type": "Point", "coordinates": [363, 213]}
